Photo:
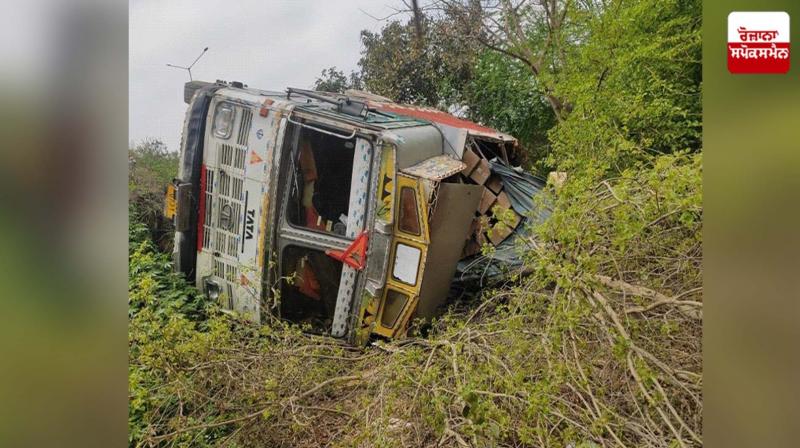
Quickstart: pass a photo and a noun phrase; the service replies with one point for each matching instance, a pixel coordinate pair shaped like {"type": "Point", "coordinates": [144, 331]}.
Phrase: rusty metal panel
{"type": "Point", "coordinates": [436, 168]}
{"type": "Point", "coordinates": [449, 228]}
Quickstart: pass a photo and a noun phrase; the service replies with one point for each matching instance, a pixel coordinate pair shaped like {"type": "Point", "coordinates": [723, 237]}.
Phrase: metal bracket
{"type": "Point", "coordinates": [344, 137]}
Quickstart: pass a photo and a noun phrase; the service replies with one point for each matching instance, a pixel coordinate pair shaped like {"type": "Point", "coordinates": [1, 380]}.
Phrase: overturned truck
{"type": "Point", "coordinates": [349, 214]}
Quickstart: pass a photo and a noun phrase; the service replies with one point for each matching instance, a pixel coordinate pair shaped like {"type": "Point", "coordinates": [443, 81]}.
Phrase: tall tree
{"type": "Point", "coordinates": [537, 33]}
{"type": "Point", "coordinates": [333, 80]}
{"type": "Point", "coordinates": [428, 60]}
{"type": "Point", "coordinates": [427, 69]}
{"type": "Point", "coordinates": [630, 68]}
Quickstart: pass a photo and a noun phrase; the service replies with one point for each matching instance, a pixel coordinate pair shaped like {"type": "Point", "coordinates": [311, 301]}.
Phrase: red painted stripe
{"type": "Point", "coordinates": [434, 115]}
{"type": "Point", "coordinates": [201, 210]}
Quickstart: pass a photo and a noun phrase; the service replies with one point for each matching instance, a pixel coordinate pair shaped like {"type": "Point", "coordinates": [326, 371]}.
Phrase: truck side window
{"type": "Point", "coordinates": [310, 298]}
{"type": "Point", "coordinates": [409, 216]}
{"type": "Point", "coordinates": [324, 180]}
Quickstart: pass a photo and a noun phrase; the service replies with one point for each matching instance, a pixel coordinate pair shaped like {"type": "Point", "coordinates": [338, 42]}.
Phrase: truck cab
{"type": "Point", "coordinates": [347, 214]}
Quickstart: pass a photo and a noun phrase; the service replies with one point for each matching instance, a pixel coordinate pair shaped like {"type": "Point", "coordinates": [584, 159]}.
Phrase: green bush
{"type": "Point", "coordinates": [598, 344]}
{"type": "Point", "coordinates": [634, 86]}
{"type": "Point", "coordinates": [151, 167]}
{"type": "Point", "coordinates": [601, 342]}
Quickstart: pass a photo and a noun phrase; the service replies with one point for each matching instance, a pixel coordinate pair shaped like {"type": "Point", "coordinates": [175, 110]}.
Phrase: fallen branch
{"type": "Point", "coordinates": [692, 309]}
{"type": "Point", "coordinates": [288, 401]}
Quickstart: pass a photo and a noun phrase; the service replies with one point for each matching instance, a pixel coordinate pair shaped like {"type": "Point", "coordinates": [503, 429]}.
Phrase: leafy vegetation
{"type": "Point", "coordinates": [151, 166]}
{"type": "Point", "coordinates": [333, 80]}
{"type": "Point", "coordinates": [503, 95]}
{"type": "Point", "coordinates": [634, 86]}
{"type": "Point", "coordinates": [430, 69]}
{"type": "Point", "coordinates": [597, 344]}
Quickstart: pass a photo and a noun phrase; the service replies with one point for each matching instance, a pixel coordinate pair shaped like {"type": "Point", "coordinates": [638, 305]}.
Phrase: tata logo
{"type": "Point", "coordinates": [260, 134]}
{"type": "Point", "coordinates": [225, 217]}
{"type": "Point", "coordinates": [249, 225]}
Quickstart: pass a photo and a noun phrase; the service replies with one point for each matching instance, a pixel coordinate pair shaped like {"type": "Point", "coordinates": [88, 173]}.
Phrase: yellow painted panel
{"type": "Point", "coordinates": [422, 208]}
{"type": "Point", "coordinates": [262, 232]}
{"type": "Point", "coordinates": [170, 202]}
{"type": "Point", "coordinates": [400, 330]}
{"type": "Point", "coordinates": [402, 320]}
{"type": "Point", "coordinates": [416, 241]}
{"type": "Point", "coordinates": [386, 185]}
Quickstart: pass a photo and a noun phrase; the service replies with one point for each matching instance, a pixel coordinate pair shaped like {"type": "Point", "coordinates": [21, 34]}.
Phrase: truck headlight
{"type": "Point", "coordinates": [212, 290]}
{"type": "Point", "coordinates": [223, 120]}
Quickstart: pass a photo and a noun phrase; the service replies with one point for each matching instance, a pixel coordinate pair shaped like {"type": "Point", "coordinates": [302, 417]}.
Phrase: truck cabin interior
{"type": "Point", "coordinates": [320, 191]}
{"type": "Point", "coordinates": [318, 200]}
{"type": "Point", "coordinates": [309, 286]}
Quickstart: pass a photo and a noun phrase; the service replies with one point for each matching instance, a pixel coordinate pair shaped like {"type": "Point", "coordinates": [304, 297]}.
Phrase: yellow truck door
{"type": "Point", "coordinates": [407, 258]}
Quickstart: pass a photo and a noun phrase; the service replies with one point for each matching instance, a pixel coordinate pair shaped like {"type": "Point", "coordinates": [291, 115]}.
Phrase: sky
{"type": "Point", "coordinates": [267, 44]}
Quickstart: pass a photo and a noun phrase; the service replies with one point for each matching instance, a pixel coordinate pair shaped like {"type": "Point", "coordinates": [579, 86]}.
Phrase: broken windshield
{"type": "Point", "coordinates": [329, 183]}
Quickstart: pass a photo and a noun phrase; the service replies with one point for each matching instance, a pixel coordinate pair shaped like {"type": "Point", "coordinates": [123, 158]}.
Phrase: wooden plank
{"type": "Point", "coordinates": [481, 173]}
{"type": "Point", "coordinates": [481, 239]}
{"type": "Point", "coordinates": [471, 248]}
{"type": "Point", "coordinates": [475, 227]}
{"type": "Point", "coordinates": [487, 201]}
{"type": "Point", "coordinates": [499, 233]}
{"type": "Point", "coordinates": [471, 160]}
{"type": "Point", "coordinates": [494, 183]}
{"type": "Point", "coordinates": [503, 201]}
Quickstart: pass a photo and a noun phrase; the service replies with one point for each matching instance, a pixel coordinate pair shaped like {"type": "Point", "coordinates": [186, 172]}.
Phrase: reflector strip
{"type": "Point", "coordinates": [355, 255]}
